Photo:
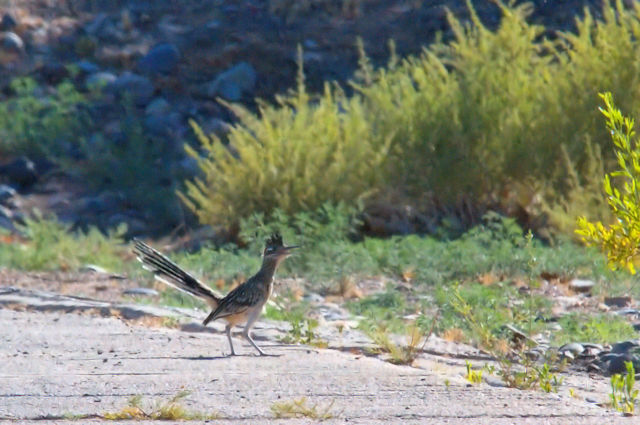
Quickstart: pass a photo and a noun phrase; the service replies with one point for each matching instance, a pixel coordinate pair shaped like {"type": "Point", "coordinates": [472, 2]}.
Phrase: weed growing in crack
{"type": "Point", "coordinates": [547, 380]}
{"type": "Point", "coordinates": [402, 354]}
{"type": "Point", "coordinates": [514, 367]}
{"type": "Point", "coordinates": [473, 376]}
{"type": "Point", "coordinates": [300, 408]}
{"type": "Point", "coordinates": [171, 410]}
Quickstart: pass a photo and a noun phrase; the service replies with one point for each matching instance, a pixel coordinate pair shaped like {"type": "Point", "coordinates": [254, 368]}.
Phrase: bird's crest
{"type": "Point", "coordinates": [274, 241]}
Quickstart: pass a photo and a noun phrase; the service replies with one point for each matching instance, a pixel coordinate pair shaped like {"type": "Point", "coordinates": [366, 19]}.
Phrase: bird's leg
{"type": "Point", "coordinates": [246, 335]}
{"type": "Point", "coordinates": [228, 330]}
{"type": "Point", "coordinates": [250, 322]}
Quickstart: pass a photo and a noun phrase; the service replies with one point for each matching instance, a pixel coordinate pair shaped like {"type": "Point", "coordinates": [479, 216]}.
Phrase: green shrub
{"type": "Point", "coordinates": [490, 110]}
{"type": "Point", "coordinates": [501, 118]}
{"type": "Point", "coordinates": [295, 156]}
{"type": "Point", "coordinates": [41, 125]}
{"type": "Point", "coordinates": [461, 112]}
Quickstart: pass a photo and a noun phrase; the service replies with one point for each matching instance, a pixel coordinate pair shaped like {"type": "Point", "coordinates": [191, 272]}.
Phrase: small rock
{"type": "Point", "coordinates": [54, 72]}
{"type": "Point", "coordinates": [592, 347]}
{"type": "Point", "coordinates": [11, 42]}
{"type": "Point", "coordinates": [594, 368]}
{"type": "Point", "coordinates": [518, 335]}
{"type": "Point", "coordinates": [189, 168]}
{"type": "Point", "coordinates": [216, 126]}
{"type": "Point", "coordinates": [21, 171]}
{"type": "Point", "coordinates": [332, 312]}
{"type": "Point", "coordinates": [581, 285]}
{"type": "Point", "coordinates": [623, 301]}
{"type": "Point", "coordinates": [8, 22]}
{"type": "Point", "coordinates": [139, 88]}
{"type": "Point", "coordinates": [157, 106]}
{"type": "Point", "coordinates": [628, 312]}
{"type": "Point", "coordinates": [536, 353]}
{"type": "Point", "coordinates": [87, 67]}
{"type": "Point", "coordinates": [161, 59]}
{"type": "Point", "coordinates": [494, 382]}
{"type": "Point", "coordinates": [98, 25]}
{"type": "Point", "coordinates": [616, 363]}
{"type": "Point", "coordinates": [162, 125]}
{"type": "Point", "coordinates": [93, 268]}
{"type": "Point", "coordinates": [7, 224]}
{"type": "Point", "coordinates": [624, 347]}
{"type": "Point", "coordinates": [6, 213]}
{"type": "Point", "coordinates": [135, 226]}
{"type": "Point", "coordinates": [573, 348]}
{"type": "Point", "coordinates": [312, 297]}
{"type": "Point", "coordinates": [6, 193]}
{"type": "Point", "coordinates": [141, 291]}
{"type": "Point", "coordinates": [204, 36]}
{"type": "Point", "coordinates": [310, 44]}
{"type": "Point", "coordinates": [99, 80]}
{"type": "Point", "coordinates": [233, 83]}
{"type": "Point", "coordinates": [555, 327]}
{"type": "Point", "coordinates": [102, 203]}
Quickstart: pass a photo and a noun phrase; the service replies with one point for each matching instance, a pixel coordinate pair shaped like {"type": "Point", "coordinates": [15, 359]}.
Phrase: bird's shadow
{"type": "Point", "coordinates": [228, 356]}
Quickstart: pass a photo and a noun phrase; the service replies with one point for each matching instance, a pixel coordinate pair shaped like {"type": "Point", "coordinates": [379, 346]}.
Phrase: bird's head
{"type": "Point", "coordinates": [275, 248]}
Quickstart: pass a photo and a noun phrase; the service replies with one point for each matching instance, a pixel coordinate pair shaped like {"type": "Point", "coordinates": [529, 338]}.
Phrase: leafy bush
{"type": "Point", "coordinates": [295, 156]}
{"type": "Point", "coordinates": [620, 240]}
{"type": "Point", "coordinates": [492, 114]}
{"type": "Point", "coordinates": [502, 118]}
{"type": "Point", "coordinates": [45, 124]}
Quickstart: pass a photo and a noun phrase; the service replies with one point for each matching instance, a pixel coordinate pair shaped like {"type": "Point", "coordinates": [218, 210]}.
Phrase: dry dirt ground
{"type": "Point", "coordinates": [66, 356]}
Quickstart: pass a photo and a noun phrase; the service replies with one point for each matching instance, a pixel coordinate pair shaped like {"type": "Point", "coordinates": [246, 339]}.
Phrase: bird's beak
{"type": "Point", "coordinates": [286, 250]}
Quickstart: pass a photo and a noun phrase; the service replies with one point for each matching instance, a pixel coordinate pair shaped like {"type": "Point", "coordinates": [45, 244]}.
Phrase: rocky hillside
{"type": "Point", "coordinates": [171, 61]}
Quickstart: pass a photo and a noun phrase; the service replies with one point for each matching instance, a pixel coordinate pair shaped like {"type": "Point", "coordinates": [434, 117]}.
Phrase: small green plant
{"type": "Point", "coordinates": [171, 410]}
{"type": "Point", "coordinates": [621, 240]}
{"type": "Point", "coordinates": [513, 365]}
{"type": "Point", "coordinates": [300, 408]}
{"type": "Point", "coordinates": [51, 245]}
{"type": "Point", "coordinates": [623, 396]}
{"type": "Point", "coordinates": [417, 337]}
{"type": "Point", "coordinates": [303, 328]}
{"type": "Point", "coordinates": [303, 332]}
{"type": "Point", "coordinates": [547, 380]}
{"type": "Point", "coordinates": [473, 376]}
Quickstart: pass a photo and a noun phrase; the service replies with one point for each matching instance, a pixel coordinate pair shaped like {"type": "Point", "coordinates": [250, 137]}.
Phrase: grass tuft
{"type": "Point", "coordinates": [170, 410]}
{"type": "Point", "coordinates": [300, 408]}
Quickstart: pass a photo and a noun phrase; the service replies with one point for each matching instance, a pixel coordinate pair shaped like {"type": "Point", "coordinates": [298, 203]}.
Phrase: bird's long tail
{"type": "Point", "coordinates": [168, 272]}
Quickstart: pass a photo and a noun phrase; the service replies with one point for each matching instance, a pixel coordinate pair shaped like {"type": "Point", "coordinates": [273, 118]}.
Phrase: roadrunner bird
{"type": "Point", "coordinates": [242, 305]}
